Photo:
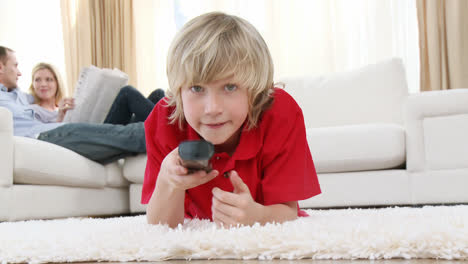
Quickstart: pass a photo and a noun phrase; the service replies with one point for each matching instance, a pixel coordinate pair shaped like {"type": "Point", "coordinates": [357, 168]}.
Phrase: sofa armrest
{"type": "Point", "coordinates": [6, 147]}
{"type": "Point", "coordinates": [437, 130]}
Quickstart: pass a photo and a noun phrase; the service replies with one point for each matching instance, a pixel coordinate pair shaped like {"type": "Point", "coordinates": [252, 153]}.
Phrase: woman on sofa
{"type": "Point", "coordinates": [50, 106]}
{"type": "Point", "coordinates": [47, 89]}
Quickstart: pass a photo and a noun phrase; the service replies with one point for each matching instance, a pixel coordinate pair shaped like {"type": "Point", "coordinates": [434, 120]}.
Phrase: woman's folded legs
{"type": "Point", "coordinates": [131, 106]}
{"type": "Point", "coordinates": [103, 143]}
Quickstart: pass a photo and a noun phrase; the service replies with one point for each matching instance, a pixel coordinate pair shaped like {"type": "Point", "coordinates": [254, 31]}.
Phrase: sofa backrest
{"type": "Point", "coordinates": [371, 94]}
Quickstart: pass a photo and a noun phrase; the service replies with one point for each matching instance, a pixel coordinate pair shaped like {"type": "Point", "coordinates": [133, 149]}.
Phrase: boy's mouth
{"type": "Point", "coordinates": [215, 125]}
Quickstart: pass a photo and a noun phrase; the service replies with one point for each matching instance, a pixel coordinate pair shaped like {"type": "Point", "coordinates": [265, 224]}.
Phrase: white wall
{"type": "Point", "coordinates": [34, 30]}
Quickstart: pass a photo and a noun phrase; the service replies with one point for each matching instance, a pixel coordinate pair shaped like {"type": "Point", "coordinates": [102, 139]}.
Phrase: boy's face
{"type": "Point", "coordinates": [216, 110]}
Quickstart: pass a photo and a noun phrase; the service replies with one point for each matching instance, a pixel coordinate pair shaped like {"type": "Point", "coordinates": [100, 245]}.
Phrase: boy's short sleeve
{"type": "Point", "coordinates": [288, 169]}
{"type": "Point", "coordinates": [154, 153]}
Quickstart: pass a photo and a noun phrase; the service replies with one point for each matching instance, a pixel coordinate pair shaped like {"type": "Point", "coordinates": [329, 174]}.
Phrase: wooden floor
{"type": "Point", "coordinates": [303, 261]}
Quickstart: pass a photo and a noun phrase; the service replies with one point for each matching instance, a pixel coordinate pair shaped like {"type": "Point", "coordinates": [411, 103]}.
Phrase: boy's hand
{"type": "Point", "coordinates": [176, 176]}
{"type": "Point", "coordinates": [237, 207]}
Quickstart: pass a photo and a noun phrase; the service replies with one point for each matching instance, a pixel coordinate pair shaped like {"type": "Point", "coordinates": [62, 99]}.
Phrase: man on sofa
{"type": "Point", "coordinates": [103, 143]}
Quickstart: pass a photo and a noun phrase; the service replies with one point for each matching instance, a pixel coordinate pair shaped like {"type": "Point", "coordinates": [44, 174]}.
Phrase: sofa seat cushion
{"type": "Point", "coordinates": [134, 168]}
{"type": "Point", "coordinates": [39, 162]}
{"type": "Point", "coordinates": [357, 147]}
{"type": "Point", "coordinates": [114, 175]}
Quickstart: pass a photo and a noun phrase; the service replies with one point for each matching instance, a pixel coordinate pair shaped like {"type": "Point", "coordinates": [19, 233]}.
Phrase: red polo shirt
{"type": "Point", "coordinates": [273, 159]}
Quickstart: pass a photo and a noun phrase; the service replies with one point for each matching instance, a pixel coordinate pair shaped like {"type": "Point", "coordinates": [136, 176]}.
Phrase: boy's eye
{"type": "Point", "coordinates": [230, 87]}
{"type": "Point", "coordinates": [196, 89]}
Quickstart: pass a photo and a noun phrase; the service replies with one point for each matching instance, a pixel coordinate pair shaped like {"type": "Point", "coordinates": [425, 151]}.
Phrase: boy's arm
{"type": "Point", "coordinates": [279, 212]}
{"type": "Point", "coordinates": [166, 205]}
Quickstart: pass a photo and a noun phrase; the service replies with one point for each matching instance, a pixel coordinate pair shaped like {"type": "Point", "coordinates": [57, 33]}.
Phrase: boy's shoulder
{"type": "Point", "coordinates": [278, 123]}
{"type": "Point", "coordinates": [159, 127]}
{"type": "Point", "coordinates": [167, 134]}
{"type": "Point", "coordinates": [283, 107]}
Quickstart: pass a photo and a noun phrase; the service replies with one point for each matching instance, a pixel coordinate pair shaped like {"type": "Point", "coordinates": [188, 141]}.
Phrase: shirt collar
{"type": "Point", "coordinates": [3, 88]}
{"type": "Point", "coordinates": [249, 144]}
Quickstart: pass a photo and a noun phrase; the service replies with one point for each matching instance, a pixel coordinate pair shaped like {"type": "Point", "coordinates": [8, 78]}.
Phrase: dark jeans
{"type": "Point", "coordinates": [129, 106]}
{"type": "Point", "coordinates": [103, 143]}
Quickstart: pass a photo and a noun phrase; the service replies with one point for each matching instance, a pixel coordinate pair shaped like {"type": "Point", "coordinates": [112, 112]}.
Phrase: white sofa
{"type": "Point", "coordinates": [372, 144]}
{"type": "Point", "coordinates": [39, 180]}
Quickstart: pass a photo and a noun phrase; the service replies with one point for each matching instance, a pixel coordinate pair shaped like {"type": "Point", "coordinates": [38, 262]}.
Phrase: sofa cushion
{"type": "Point", "coordinates": [134, 168]}
{"type": "Point", "coordinates": [371, 94]}
{"type": "Point", "coordinates": [6, 147]}
{"type": "Point", "coordinates": [357, 147]}
{"type": "Point", "coordinates": [114, 175]}
{"type": "Point", "coordinates": [39, 162]}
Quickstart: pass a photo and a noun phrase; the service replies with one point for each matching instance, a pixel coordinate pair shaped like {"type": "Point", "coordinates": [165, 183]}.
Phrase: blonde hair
{"type": "Point", "coordinates": [58, 79]}
{"type": "Point", "coordinates": [214, 46]}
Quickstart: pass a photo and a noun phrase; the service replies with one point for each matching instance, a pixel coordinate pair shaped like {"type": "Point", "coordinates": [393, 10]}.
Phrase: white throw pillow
{"type": "Point", "coordinates": [94, 94]}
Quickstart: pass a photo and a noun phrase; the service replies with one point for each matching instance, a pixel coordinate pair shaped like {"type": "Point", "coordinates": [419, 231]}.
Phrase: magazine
{"type": "Point", "coordinates": [94, 94]}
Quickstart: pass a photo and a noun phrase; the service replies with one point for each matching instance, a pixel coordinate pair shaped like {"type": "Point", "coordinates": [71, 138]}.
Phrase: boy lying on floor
{"type": "Point", "coordinates": [221, 90]}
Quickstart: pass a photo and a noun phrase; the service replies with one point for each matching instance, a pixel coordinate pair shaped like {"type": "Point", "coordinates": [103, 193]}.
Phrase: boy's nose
{"type": "Point", "coordinates": [213, 105]}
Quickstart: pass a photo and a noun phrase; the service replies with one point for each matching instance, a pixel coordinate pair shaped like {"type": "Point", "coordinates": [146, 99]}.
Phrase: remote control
{"type": "Point", "coordinates": [196, 155]}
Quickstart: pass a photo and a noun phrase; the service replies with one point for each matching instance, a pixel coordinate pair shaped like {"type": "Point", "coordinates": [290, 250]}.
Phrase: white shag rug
{"type": "Point", "coordinates": [429, 232]}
